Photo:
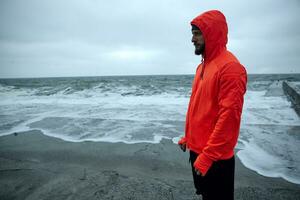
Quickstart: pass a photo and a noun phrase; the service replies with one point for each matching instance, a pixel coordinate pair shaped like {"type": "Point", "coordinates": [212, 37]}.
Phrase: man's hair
{"type": "Point", "coordinates": [194, 27]}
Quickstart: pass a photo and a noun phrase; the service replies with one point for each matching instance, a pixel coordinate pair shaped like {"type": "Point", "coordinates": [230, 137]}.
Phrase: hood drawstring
{"type": "Point", "coordinates": [203, 67]}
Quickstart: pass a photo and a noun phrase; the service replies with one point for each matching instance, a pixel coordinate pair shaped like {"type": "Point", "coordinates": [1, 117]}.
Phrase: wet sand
{"type": "Point", "coordinates": [35, 166]}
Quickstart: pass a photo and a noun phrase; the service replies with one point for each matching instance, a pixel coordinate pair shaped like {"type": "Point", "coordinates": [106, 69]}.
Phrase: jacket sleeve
{"type": "Point", "coordinates": [232, 87]}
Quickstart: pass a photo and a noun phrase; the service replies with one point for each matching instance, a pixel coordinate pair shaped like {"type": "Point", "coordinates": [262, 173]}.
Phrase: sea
{"type": "Point", "coordinates": [135, 109]}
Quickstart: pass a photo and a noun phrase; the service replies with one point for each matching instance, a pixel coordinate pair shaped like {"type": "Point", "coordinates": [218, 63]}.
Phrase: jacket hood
{"type": "Point", "coordinates": [214, 29]}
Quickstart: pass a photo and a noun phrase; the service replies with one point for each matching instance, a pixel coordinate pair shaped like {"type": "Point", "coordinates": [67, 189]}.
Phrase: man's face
{"type": "Point", "coordinates": [198, 41]}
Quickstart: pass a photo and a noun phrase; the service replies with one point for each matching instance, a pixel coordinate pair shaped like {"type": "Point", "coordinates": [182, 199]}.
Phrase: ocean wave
{"type": "Point", "coordinates": [264, 159]}
{"type": "Point", "coordinates": [147, 109]}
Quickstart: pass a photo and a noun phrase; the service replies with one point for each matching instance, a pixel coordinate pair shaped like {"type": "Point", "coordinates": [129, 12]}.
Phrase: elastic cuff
{"type": "Point", "coordinates": [203, 163]}
{"type": "Point", "coordinates": [182, 141]}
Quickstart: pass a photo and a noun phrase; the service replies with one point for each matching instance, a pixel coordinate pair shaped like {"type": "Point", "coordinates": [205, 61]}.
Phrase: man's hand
{"type": "Point", "coordinates": [182, 147]}
{"type": "Point", "coordinates": [198, 172]}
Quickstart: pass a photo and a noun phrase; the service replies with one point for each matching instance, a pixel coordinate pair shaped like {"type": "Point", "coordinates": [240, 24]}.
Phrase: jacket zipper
{"type": "Point", "coordinates": [202, 70]}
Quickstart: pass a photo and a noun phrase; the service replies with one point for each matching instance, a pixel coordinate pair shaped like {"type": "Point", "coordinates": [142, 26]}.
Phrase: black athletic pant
{"type": "Point", "coordinates": [218, 183]}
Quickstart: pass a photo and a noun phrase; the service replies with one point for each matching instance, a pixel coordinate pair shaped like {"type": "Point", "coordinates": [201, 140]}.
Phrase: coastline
{"type": "Point", "coordinates": [35, 166]}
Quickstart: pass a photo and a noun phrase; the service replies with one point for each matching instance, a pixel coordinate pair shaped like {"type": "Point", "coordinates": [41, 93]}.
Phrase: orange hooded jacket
{"type": "Point", "coordinates": [214, 112]}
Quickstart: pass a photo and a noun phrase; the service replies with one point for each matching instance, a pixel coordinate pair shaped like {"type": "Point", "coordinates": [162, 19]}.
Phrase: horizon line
{"type": "Point", "coordinates": [120, 75]}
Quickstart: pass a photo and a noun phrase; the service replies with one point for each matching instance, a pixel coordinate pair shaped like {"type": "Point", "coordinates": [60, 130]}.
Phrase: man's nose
{"type": "Point", "coordinates": [193, 39]}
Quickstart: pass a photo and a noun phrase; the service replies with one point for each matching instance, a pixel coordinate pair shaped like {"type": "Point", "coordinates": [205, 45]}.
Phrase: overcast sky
{"type": "Point", "coordinates": [48, 38]}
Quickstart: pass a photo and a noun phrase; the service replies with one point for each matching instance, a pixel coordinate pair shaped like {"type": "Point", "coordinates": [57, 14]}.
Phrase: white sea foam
{"type": "Point", "coordinates": [270, 136]}
{"type": "Point", "coordinates": [256, 158]}
{"type": "Point", "coordinates": [261, 109]}
{"type": "Point", "coordinates": [127, 113]}
{"type": "Point", "coordinates": [23, 126]}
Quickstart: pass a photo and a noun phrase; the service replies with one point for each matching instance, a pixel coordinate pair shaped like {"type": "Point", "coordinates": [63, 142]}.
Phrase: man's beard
{"type": "Point", "coordinates": [199, 50]}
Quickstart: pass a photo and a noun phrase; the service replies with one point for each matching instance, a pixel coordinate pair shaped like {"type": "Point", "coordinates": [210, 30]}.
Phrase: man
{"type": "Point", "coordinates": [214, 112]}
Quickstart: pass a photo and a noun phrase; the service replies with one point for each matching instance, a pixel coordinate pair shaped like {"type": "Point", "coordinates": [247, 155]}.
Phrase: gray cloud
{"type": "Point", "coordinates": [95, 37]}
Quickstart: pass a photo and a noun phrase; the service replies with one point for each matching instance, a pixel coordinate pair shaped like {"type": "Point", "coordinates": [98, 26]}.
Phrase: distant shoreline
{"type": "Point", "coordinates": [142, 75]}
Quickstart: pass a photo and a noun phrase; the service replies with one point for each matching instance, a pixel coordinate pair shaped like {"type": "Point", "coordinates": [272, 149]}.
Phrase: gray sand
{"type": "Point", "coordinates": [34, 166]}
